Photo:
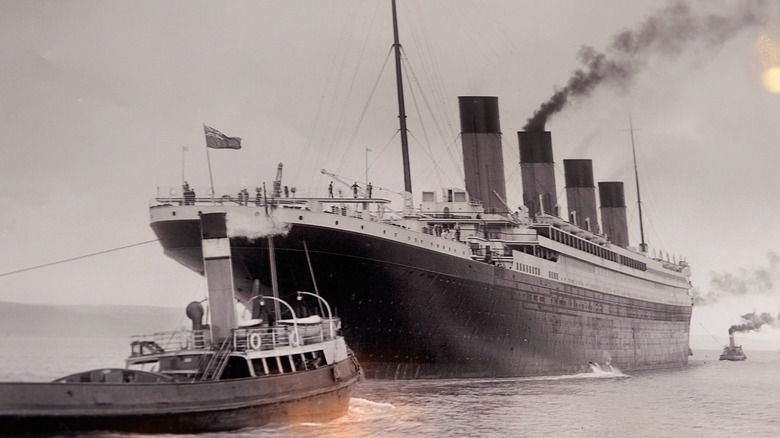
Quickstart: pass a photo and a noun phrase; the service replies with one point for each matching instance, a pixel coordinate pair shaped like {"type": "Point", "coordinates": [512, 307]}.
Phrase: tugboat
{"type": "Point", "coordinates": [732, 351]}
{"type": "Point", "coordinates": [222, 376]}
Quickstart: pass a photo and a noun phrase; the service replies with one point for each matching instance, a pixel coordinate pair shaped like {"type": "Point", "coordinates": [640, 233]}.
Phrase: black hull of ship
{"type": "Point", "coordinates": [413, 313]}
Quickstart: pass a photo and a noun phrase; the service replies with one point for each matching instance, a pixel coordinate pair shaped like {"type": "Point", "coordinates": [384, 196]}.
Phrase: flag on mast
{"type": "Point", "coordinates": [218, 140]}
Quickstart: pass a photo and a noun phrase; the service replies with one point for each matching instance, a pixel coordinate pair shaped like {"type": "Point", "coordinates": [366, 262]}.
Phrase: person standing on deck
{"type": "Point", "coordinates": [330, 190]}
{"type": "Point", "coordinates": [355, 190]}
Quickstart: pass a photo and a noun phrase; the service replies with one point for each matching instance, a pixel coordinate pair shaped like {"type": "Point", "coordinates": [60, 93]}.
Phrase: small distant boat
{"type": "Point", "coordinates": [222, 376]}
{"type": "Point", "coordinates": [732, 351]}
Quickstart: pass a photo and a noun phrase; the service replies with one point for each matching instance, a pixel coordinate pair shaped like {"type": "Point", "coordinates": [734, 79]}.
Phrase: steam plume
{"type": "Point", "coordinates": [254, 227]}
{"type": "Point", "coordinates": [666, 32]}
{"type": "Point", "coordinates": [761, 280]}
{"type": "Point", "coordinates": [752, 321]}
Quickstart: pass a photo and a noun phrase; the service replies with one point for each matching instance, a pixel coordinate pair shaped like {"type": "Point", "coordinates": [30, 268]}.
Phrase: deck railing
{"type": "Point", "coordinates": [144, 345]}
{"type": "Point", "coordinates": [236, 195]}
{"type": "Point", "coordinates": [269, 338]}
{"type": "Point", "coordinates": [247, 338]}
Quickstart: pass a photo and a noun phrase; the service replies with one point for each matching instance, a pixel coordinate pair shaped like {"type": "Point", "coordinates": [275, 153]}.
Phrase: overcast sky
{"type": "Point", "coordinates": [99, 98]}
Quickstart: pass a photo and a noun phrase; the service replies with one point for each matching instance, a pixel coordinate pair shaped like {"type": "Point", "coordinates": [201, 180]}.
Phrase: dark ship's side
{"type": "Point", "coordinates": [460, 287]}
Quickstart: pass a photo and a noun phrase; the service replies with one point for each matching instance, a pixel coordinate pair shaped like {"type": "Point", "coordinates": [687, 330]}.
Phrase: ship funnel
{"type": "Point", "coordinates": [219, 274]}
{"type": "Point", "coordinates": [538, 173]}
{"type": "Point", "coordinates": [613, 212]}
{"type": "Point", "coordinates": [731, 340]}
{"type": "Point", "coordinates": [483, 160]}
{"type": "Point", "coordinates": [581, 193]}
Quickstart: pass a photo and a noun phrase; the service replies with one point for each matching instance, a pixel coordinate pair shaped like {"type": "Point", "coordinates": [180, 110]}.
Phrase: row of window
{"type": "Point", "coordinates": [522, 267]}
{"type": "Point", "coordinates": [591, 248]}
{"type": "Point", "coordinates": [288, 364]}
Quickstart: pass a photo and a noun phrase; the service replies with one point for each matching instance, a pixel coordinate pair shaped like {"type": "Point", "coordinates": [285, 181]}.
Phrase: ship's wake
{"type": "Point", "coordinates": [596, 371]}
{"type": "Point", "coordinates": [360, 409]}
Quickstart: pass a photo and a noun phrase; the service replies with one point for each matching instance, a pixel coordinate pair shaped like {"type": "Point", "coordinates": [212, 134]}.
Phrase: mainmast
{"type": "Point", "coordinates": [642, 245]}
{"type": "Point", "coordinates": [401, 106]}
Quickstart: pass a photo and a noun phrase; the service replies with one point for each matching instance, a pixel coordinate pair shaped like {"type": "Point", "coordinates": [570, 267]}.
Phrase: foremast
{"type": "Point", "coordinates": [402, 115]}
{"type": "Point", "coordinates": [642, 244]}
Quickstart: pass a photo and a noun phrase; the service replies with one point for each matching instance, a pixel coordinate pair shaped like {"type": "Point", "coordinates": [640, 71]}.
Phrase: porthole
{"type": "Point", "coordinates": [300, 218]}
{"type": "Point", "coordinates": [337, 222]}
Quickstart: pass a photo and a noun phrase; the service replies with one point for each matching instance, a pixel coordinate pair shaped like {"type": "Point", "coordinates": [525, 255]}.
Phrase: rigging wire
{"type": "Point", "coordinates": [437, 125]}
{"type": "Point", "coordinates": [708, 332]}
{"type": "Point", "coordinates": [343, 100]}
{"type": "Point", "coordinates": [350, 89]}
{"type": "Point", "coordinates": [429, 153]}
{"type": "Point", "coordinates": [346, 31]}
{"type": "Point", "coordinates": [514, 154]}
{"type": "Point", "coordinates": [426, 144]}
{"type": "Point", "coordinates": [77, 258]}
{"type": "Point", "coordinates": [352, 137]}
{"type": "Point", "coordinates": [441, 95]}
{"type": "Point", "coordinates": [382, 150]}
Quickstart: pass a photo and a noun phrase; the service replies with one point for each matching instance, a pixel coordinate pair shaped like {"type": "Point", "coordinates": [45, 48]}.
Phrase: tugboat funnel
{"type": "Point", "coordinates": [195, 314]}
{"type": "Point", "coordinates": [219, 274]}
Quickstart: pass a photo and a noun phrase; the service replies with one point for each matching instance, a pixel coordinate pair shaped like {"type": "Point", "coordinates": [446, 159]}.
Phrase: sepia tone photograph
{"type": "Point", "coordinates": [389, 218]}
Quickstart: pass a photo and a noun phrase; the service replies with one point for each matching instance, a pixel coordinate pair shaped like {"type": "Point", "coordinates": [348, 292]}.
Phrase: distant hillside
{"type": "Point", "coordinates": [748, 342]}
{"type": "Point", "coordinates": [92, 321]}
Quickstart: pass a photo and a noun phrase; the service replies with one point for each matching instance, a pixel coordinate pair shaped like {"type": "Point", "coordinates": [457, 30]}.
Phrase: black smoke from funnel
{"type": "Point", "coordinates": [762, 280]}
{"type": "Point", "coordinates": [666, 32]}
{"type": "Point", "coordinates": [752, 321]}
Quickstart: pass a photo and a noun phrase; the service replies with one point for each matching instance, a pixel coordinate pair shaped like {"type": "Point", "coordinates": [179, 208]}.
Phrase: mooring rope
{"type": "Point", "coordinates": [77, 258]}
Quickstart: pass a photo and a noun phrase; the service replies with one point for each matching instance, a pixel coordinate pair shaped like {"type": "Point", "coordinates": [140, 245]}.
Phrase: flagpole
{"type": "Point", "coordinates": [208, 160]}
{"type": "Point", "coordinates": [183, 150]}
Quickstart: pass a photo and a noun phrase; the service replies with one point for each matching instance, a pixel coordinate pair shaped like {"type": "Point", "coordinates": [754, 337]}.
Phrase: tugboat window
{"type": "Point", "coordinates": [237, 368]}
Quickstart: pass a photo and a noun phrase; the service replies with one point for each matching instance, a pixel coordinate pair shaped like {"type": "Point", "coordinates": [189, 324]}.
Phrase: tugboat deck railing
{"type": "Point", "coordinates": [253, 338]}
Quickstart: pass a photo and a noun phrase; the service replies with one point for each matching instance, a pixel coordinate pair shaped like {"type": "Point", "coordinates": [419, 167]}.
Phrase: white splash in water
{"type": "Point", "coordinates": [255, 227]}
{"type": "Point", "coordinates": [361, 403]}
{"type": "Point", "coordinates": [608, 370]}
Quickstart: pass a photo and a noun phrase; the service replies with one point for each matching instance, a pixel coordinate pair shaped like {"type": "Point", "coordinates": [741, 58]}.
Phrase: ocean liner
{"type": "Point", "coordinates": [461, 285]}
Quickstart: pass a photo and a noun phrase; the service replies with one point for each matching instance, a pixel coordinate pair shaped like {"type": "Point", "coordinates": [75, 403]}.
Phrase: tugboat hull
{"type": "Point", "coordinates": [178, 407]}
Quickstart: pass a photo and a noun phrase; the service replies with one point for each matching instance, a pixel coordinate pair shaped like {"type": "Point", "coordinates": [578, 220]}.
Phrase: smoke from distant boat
{"type": "Point", "coordinates": [762, 280]}
{"type": "Point", "coordinates": [753, 321]}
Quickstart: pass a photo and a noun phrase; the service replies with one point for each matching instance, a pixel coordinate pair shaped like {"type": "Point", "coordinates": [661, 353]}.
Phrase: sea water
{"type": "Point", "coordinates": [707, 398]}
